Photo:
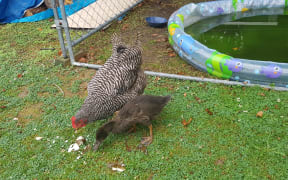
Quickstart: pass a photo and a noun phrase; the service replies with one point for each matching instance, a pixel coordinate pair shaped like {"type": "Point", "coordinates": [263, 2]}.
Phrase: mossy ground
{"type": "Point", "coordinates": [224, 140]}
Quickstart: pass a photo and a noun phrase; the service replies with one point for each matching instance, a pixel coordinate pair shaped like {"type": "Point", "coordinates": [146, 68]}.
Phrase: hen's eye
{"type": "Point", "coordinates": [120, 49]}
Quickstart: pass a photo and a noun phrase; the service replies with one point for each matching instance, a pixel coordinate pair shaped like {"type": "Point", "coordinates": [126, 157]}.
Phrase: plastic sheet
{"type": "Point", "coordinates": [14, 9]}
{"type": "Point", "coordinates": [13, 14]}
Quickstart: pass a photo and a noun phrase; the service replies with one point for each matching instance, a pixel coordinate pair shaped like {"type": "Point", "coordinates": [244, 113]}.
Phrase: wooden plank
{"type": "Point", "coordinates": [98, 13]}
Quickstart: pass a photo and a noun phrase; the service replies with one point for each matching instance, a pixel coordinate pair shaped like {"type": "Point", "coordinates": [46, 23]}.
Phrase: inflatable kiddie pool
{"type": "Point", "coordinates": [217, 63]}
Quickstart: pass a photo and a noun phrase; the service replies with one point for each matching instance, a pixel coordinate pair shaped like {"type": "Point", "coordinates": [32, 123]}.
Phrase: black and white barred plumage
{"type": "Point", "coordinates": [119, 80]}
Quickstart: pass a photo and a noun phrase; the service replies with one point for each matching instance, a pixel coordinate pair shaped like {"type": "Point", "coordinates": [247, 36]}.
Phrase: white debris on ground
{"type": "Point", "coordinates": [80, 140]}
{"type": "Point", "coordinates": [73, 147]}
{"type": "Point", "coordinates": [38, 138]}
{"type": "Point", "coordinates": [118, 169]}
{"type": "Point", "coordinates": [15, 119]}
{"type": "Point", "coordinates": [87, 148]}
{"type": "Point", "coordinates": [76, 146]}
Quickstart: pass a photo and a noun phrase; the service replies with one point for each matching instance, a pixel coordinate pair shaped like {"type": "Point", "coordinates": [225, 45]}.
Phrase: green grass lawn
{"type": "Point", "coordinates": [224, 140]}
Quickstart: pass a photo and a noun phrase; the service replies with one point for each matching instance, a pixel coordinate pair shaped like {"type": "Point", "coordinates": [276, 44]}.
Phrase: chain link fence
{"type": "Point", "coordinates": [76, 20]}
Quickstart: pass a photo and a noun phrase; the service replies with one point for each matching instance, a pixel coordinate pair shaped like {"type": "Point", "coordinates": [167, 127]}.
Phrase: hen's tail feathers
{"type": "Point", "coordinates": [138, 41]}
{"type": "Point", "coordinates": [116, 42]}
{"type": "Point", "coordinates": [167, 99]}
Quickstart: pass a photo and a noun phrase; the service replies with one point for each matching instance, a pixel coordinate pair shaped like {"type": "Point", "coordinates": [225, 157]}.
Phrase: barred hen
{"type": "Point", "coordinates": [140, 110]}
{"type": "Point", "coordinates": [119, 80]}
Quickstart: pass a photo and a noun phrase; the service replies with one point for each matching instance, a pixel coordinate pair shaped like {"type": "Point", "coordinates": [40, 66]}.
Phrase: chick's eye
{"type": "Point", "coordinates": [239, 64]}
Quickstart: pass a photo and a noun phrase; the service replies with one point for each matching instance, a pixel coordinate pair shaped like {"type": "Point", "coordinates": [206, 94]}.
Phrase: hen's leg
{"type": "Point", "coordinates": [136, 89]}
{"type": "Point", "coordinates": [116, 113]}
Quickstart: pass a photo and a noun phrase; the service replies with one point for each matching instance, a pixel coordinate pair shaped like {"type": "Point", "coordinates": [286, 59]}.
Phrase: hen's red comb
{"type": "Point", "coordinates": [80, 123]}
{"type": "Point", "coordinates": [73, 122]}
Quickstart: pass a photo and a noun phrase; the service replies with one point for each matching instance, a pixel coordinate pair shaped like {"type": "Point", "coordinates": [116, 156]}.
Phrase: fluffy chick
{"type": "Point", "coordinates": [140, 110]}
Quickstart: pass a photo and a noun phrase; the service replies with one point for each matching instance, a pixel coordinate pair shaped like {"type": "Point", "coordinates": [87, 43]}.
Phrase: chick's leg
{"type": "Point", "coordinates": [115, 113]}
{"type": "Point", "coordinates": [148, 140]}
{"type": "Point", "coordinates": [132, 129]}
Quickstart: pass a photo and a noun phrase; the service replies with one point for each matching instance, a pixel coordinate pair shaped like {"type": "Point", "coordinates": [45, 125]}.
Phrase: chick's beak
{"type": "Point", "coordinates": [96, 145]}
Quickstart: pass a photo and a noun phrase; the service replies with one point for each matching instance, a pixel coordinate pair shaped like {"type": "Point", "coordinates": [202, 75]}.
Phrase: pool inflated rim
{"type": "Point", "coordinates": [219, 64]}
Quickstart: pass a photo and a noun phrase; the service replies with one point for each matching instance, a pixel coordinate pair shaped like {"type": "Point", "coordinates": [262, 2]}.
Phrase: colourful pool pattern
{"type": "Point", "coordinates": [217, 63]}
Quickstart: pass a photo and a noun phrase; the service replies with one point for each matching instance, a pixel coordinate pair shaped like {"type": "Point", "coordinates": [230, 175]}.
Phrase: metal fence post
{"type": "Point", "coordinates": [59, 28]}
{"type": "Point", "coordinates": [66, 30]}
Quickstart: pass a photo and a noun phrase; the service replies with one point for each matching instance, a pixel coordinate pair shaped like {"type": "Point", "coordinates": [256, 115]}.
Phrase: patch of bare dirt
{"type": "Point", "coordinates": [87, 74]}
{"type": "Point", "coordinates": [44, 94]}
{"type": "Point", "coordinates": [29, 113]}
{"type": "Point", "coordinates": [23, 92]}
{"type": "Point", "coordinates": [83, 86]}
{"type": "Point", "coordinates": [82, 74]}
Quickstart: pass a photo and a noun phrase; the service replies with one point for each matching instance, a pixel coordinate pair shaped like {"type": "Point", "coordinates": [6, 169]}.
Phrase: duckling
{"type": "Point", "coordinates": [140, 110]}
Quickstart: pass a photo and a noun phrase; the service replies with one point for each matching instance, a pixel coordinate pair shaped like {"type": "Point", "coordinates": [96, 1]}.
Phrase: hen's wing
{"type": "Point", "coordinates": [140, 83]}
{"type": "Point", "coordinates": [120, 73]}
{"type": "Point", "coordinates": [111, 83]}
